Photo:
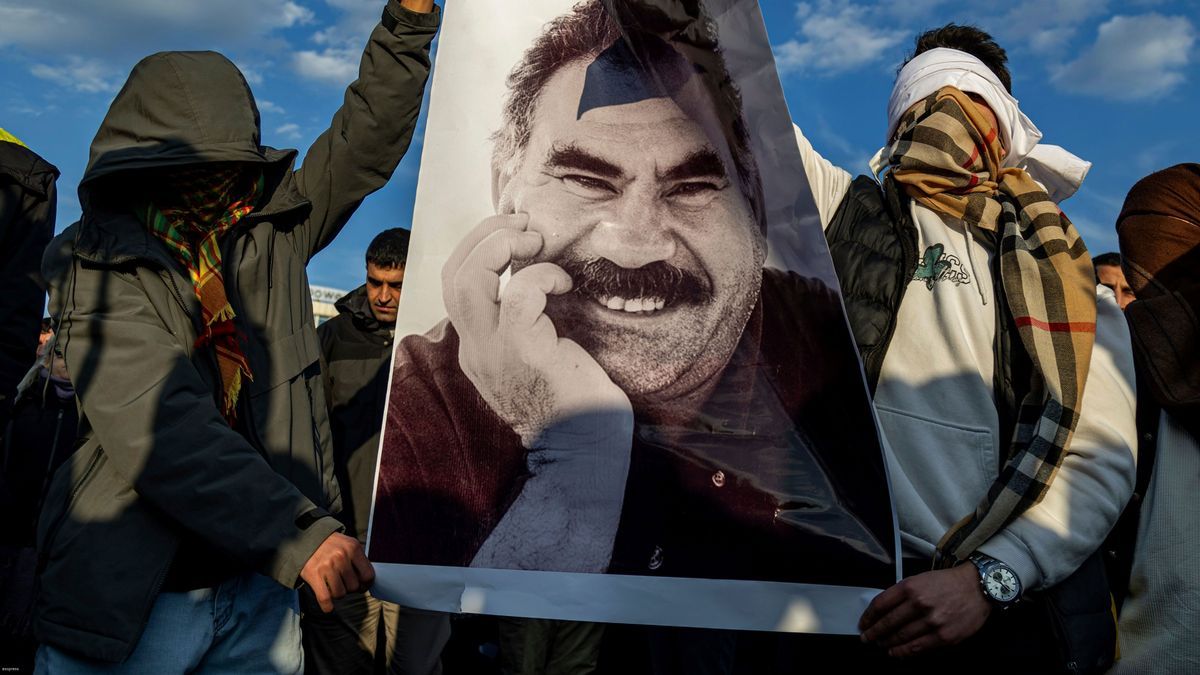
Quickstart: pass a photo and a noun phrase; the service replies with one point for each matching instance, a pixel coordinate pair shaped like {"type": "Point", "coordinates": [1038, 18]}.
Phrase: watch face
{"type": "Point", "coordinates": [1001, 584]}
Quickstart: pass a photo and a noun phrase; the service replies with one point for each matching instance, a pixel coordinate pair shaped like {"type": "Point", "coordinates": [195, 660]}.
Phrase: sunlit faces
{"type": "Point", "coordinates": [637, 204]}
{"type": "Point", "coordinates": [383, 291]}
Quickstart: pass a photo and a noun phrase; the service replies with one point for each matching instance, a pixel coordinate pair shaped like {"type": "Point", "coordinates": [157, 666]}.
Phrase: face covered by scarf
{"type": "Point", "coordinates": [189, 210]}
{"type": "Point", "coordinates": [948, 157]}
{"type": "Point", "coordinates": [1159, 230]}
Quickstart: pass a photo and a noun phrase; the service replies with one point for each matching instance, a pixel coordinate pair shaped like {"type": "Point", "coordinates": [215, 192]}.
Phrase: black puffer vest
{"type": "Point", "coordinates": [873, 242]}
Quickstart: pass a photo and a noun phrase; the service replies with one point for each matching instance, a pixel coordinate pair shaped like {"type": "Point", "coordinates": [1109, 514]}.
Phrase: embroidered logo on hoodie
{"type": "Point", "coordinates": [937, 265]}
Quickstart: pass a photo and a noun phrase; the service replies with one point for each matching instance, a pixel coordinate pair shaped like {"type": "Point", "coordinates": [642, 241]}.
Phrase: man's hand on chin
{"type": "Point", "coordinates": [927, 611]}
{"type": "Point", "coordinates": [538, 383]}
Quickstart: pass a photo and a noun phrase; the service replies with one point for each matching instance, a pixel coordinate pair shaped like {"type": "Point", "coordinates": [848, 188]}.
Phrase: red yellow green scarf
{"type": "Point", "coordinates": [189, 213]}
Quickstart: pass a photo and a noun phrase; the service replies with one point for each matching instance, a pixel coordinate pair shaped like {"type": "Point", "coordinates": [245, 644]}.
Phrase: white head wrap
{"type": "Point", "coordinates": [1058, 170]}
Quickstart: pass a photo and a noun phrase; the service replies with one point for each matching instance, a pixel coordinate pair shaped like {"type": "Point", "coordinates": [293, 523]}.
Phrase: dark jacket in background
{"type": "Point", "coordinates": [357, 350]}
{"type": "Point", "coordinates": [27, 206]}
{"type": "Point", "coordinates": [159, 471]}
{"type": "Point", "coordinates": [1159, 230]}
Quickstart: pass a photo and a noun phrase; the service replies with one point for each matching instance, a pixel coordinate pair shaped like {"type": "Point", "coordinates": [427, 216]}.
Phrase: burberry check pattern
{"type": "Point", "coordinates": [189, 214]}
{"type": "Point", "coordinates": [948, 158]}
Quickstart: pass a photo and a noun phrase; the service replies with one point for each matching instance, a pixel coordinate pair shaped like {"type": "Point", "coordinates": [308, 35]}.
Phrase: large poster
{"type": "Point", "coordinates": [623, 387]}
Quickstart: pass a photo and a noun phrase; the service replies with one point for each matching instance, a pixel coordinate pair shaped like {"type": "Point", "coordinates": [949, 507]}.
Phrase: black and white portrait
{"type": "Point", "coordinates": [631, 374]}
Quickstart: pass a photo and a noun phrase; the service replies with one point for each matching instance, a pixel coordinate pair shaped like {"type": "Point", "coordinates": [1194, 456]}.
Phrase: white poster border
{"type": "Point", "coordinates": [623, 598]}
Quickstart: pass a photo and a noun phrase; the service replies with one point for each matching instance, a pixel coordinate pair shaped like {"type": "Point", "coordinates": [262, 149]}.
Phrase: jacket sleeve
{"type": "Point", "coordinates": [159, 427]}
{"type": "Point", "coordinates": [827, 182]}
{"type": "Point", "coordinates": [370, 133]}
{"type": "Point", "coordinates": [1050, 540]}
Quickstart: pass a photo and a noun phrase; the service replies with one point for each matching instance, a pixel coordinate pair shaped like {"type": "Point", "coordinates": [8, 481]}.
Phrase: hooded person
{"type": "Point", "coordinates": [973, 303]}
{"type": "Point", "coordinates": [201, 492]}
{"type": "Point", "coordinates": [27, 205]}
{"type": "Point", "coordinates": [1155, 543]}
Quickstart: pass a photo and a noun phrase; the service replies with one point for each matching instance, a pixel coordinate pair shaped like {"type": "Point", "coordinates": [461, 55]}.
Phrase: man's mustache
{"type": "Point", "coordinates": [602, 278]}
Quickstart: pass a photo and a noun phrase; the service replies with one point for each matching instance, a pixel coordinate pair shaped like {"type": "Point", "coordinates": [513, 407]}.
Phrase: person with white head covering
{"type": "Point", "coordinates": [974, 306]}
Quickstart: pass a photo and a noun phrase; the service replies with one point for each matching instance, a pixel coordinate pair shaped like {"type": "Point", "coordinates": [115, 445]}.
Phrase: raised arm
{"type": "Point", "coordinates": [827, 182]}
{"type": "Point", "coordinates": [370, 133]}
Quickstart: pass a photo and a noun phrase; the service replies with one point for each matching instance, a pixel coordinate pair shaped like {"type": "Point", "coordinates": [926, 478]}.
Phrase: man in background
{"type": "Point", "coordinates": [1156, 542]}
{"type": "Point", "coordinates": [363, 633]}
{"type": "Point", "coordinates": [1110, 274]}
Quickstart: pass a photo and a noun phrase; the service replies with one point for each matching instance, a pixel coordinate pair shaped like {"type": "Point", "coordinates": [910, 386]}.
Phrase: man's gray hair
{"type": "Point", "coordinates": [581, 35]}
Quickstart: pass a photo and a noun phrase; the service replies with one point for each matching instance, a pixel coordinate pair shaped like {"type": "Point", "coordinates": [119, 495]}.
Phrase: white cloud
{"type": "Point", "coordinates": [252, 74]}
{"type": "Point", "coordinates": [136, 27]}
{"type": "Point", "coordinates": [1049, 40]}
{"type": "Point", "coordinates": [336, 62]}
{"type": "Point", "coordinates": [1045, 26]}
{"type": "Point", "coordinates": [1134, 57]}
{"type": "Point", "coordinates": [834, 36]}
{"type": "Point", "coordinates": [332, 65]}
{"type": "Point", "coordinates": [1155, 156]}
{"type": "Point", "coordinates": [89, 46]}
{"type": "Point", "coordinates": [80, 74]}
{"type": "Point", "coordinates": [289, 130]}
{"type": "Point", "coordinates": [269, 106]}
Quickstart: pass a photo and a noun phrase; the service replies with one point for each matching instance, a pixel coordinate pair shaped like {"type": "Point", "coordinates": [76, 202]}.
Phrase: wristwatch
{"type": "Point", "coordinates": [1000, 583]}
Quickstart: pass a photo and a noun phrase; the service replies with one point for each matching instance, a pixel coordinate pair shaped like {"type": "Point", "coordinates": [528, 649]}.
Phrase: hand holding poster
{"type": "Point", "coordinates": [626, 389]}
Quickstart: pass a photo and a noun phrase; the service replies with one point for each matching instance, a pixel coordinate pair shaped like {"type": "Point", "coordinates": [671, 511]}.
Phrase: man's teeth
{"type": "Point", "coordinates": [634, 306]}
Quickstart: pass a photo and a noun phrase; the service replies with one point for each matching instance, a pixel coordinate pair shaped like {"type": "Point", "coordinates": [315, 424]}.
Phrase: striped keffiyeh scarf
{"type": "Point", "coordinates": [948, 158]}
{"type": "Point", "coordinates": [190, 213]}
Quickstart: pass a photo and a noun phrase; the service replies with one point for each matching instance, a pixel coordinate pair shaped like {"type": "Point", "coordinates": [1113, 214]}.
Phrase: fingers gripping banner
{"type": "Point", "coordinates": [624, 388]}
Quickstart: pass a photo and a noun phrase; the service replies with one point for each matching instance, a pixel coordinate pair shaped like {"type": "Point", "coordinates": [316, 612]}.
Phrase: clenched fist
{"type": "Point", "coordinates": [338, 566]}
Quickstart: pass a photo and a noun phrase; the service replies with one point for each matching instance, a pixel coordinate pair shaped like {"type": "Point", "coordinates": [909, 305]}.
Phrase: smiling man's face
{"type": "Point", "coordinates": [636, 202]}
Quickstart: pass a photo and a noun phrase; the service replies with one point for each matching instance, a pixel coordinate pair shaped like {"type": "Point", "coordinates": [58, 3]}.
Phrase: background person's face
{"type": "Point", "coordinates": [1114, 277]}
{"type": "Point", "coordinates": [636, 185]}
{"type": "Point", "coordinates": [383, 291]}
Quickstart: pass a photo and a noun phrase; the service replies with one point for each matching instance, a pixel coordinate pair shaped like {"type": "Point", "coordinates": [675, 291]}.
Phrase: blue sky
{"type": "Point", "coordinates": [1114, 82]}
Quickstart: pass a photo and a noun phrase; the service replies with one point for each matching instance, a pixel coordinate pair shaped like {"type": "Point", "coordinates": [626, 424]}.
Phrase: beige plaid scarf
{"type": "Point", "coordinates": [948, 158]}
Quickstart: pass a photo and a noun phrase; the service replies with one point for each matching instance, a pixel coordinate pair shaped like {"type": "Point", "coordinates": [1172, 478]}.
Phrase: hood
{"type": "Point", "coordinates": [24, 167]}
{"type": "Point", "coordinates": [179, 108]}
{"type": "Point", "coordinates": [357, 305]}
{"type": "Point", "coordinates": [176, 109]}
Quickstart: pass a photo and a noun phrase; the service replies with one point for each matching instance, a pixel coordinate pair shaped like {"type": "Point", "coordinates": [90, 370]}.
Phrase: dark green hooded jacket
{"type": "Point", "coordinates": [158, 470]}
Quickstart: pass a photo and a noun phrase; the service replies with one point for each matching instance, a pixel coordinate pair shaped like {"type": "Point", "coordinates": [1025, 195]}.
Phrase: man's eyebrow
{"type": "Point", "coordinates": [572, 156]}
{"type": "Point", "coordinates": [702, 163]}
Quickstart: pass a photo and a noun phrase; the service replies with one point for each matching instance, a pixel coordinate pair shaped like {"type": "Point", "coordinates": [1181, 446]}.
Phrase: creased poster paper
{"type": "Point", "coordinates": [624, 388]}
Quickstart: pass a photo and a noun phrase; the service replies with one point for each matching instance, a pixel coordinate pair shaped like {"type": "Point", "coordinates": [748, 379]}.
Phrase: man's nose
{"type": "Point", "coordinates": [634, 232]}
